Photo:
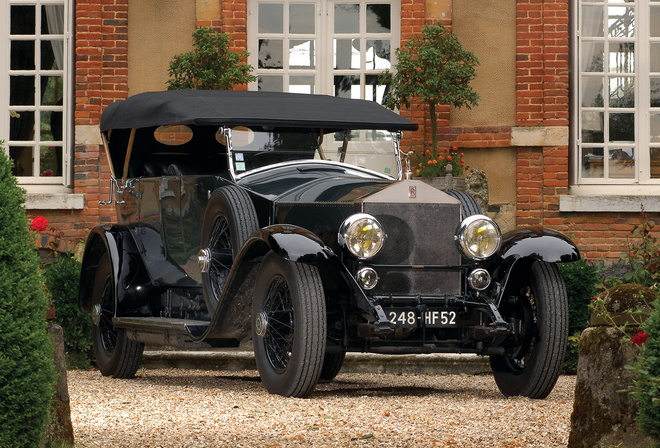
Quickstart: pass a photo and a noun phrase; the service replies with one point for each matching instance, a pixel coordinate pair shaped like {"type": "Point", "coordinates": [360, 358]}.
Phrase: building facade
{"type": "Point", "coordinates": [567, 130]}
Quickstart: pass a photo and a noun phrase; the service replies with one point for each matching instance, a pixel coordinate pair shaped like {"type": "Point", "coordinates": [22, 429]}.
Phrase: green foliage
{"type": "Point", "coordinates": [210, 65]}
{"type": "Point", "coordinates": [642, 262]}
{"type": "Point", "coordinates": [62, 279]}
{"type": "Point", "coordinates": [580, 278]}
{"type": "Point", "coordinates": [434, 69]}
{"type": "Point", "coordinates": [647, 378]}
{"type": "Point", "coordinates": [27, 371]}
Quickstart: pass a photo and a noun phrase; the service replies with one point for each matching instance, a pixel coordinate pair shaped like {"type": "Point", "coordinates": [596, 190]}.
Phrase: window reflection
{"type": "Point", "coordinates": [271, 18]}
{"type": "Point", "coordinates": [622, 92]}
{"type": "Point", "coordinates": [302, 54]}
{"type": "Point", "coordinates": [347, 18]}
{"type": "Point", "coordinates": [622, 57]}
{"type": "Point", "coordinates": [347, 86]}
{"type": "Point", "coordinates": [271, 53]}
{"type": "Point", "coordinates": [620, 21]}
{"type": "Point", "coordinates": [378, 18]}
{"type": "Point", "coordinates": [347, 54]}
{"type": "Point", "coordinates": [301, 18]}
{"type": "Point", "coordinates": [378, 54]}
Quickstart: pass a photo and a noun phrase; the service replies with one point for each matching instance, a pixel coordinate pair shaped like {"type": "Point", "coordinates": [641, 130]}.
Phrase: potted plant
{"type": "Point", "coordinates": [433, 69]}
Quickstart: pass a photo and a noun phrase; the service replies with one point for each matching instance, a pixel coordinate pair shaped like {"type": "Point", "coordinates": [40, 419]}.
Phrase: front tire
{"type": "Point", "coordinates": [289, 327]}
{"type": "Point", "coordinates": [116, 355]}
{"type": "Point", "coordinates": [229, 220]}
{"type": "Point", "coordinates": [533, 359]}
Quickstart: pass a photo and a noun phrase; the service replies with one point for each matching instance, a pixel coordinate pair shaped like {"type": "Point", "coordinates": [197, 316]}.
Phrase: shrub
{"type": "Point", "coordinates": [210, 65]}
{"type": "Point", "coordinates": [647, 379]}
{"type": "Point", "coordinates": [580, 278]}
{"type": "Point", "coordinates": [27, 371]}
{"type": "Point", "coordinates": [62, 279]}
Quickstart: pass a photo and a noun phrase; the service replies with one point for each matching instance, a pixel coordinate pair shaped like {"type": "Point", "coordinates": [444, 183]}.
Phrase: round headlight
{"type": "Point", "coordinates": [479, 237]}
{"type": "Point", "coordinates": [362, 235]}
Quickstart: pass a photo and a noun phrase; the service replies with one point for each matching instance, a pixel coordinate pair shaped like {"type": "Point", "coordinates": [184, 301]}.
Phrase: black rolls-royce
{"type": "Point", "coordinates": [288, 219]}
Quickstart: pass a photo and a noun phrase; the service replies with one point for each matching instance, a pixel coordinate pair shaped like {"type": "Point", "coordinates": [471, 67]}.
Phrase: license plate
{"type": "Point", "coordinates": [413, 318]}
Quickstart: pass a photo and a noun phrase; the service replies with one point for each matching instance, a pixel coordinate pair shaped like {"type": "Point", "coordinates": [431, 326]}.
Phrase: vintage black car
{"type": "Point", "coordinates": [286, 219]}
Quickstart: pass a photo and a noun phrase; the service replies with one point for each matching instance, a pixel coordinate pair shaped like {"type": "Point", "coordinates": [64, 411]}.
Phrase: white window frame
{"type": "Point", "coordinates": [324, 35]}
{"type": "Point", "coordinates": [36, 183]}
{"type": "Point", "coordinates": [641, 183]}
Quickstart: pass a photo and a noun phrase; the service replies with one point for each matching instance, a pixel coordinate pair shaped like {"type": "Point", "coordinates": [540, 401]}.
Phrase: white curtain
{"type": "Point", "coordinates": [55, 17]}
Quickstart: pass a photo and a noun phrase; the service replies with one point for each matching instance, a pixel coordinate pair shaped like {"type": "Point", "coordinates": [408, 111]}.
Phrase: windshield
{"type": "Point", "coordinates": [370, 149]}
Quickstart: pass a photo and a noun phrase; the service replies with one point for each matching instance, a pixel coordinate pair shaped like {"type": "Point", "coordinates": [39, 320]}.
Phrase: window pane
{"type": "Point", "coordinates": [655, 162]}
{"type": "Point", "coordinates": [655, 92]}
{"type": "Point", "coordinates": [374, 90]}
{"type": "Point", "coordinates": [271, 83]}
{"type": "Point", "coordinates": [301, 18]}
{"type": "Point", "coordinates": [21, 125]}
{"type": "Point", "coordinates": [592, 56]}
{"type": "Point", "coordinates": [621, 21]}
{"type": "Point", "coordinates": [622, 163]}
{"type": "Point", "coordinates": [22, 20]}
{"type": "Point", "coordinates": [347, 18]}
{"type": "Point", "coordinates": [592, 91]}
{"type": "Point", "coordinates": [655, 128]}
{"type": "Point", "coordinates": [622, 127]}
{"type": "Point", "coordinates": [301, 84]}
{"type": "Point", "coordinates": [592, 21]}
{"type": "Point", "coordinates": [21, 91]}
{"type": "Point", "coordinates": [271, 53]}
{"type": "Point", "coordinates": [271, 18]}
{"type": "Point", "coordinates": [52, 19]}
{"type": "Point", "coordinates": [22, 55]}
{"type": "Point", "coordinates": [22, 157]}
{"type": "Point", "coordinates": [52, 54]}
{"type": "Point", "coordinates": [654, 21]}
{"type": "Point", "coordinates": [655, 56]}
{"type": "Point", "coordinates": [347, 54]}
{"type": "Point", "coordinates": [622, 57]}
{"type": "Point", "coordinates": [592, 163]}
{"type": "Point", "coordinates": [51, 126]}
{"type": "Point", "coordinates": [622, 92]}
{"type": "Point", "coordinates": [50, 161]}
{"type": "Point", "coordinates": [347, 86]}
{"type": "Point", "coordinates": [592, 127]}
{"type": "Point", "coordinates": [54, 92]}
{"type": "Point", "coordinates": [302, 54]}
{"type": "Point", "coordinates": [378, 18]}
{"type": "Point", "coordinates": [378, 55]}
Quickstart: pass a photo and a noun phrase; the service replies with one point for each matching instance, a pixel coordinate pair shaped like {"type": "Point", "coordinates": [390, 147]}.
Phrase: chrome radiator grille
{"type": "Point", "coordinates": [418, 235]}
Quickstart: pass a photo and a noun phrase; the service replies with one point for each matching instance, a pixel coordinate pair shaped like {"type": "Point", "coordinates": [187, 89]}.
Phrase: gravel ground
{"type": "Point", "coordinates": [204, 408]}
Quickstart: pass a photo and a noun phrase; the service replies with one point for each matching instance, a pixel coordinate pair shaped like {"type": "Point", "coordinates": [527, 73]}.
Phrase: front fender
{"type": "Point", "coordinates": [232, 318]}
{"type": "Point", "coordinates": [522, 247]}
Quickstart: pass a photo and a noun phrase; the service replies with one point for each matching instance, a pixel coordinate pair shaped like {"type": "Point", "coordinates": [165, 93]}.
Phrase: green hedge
{"type": "Point", "coordinates": [62, 280]}
{"type": "Point", "coordinates": [647, 380]}
{"type": "Point", "coordinates": [27, 372]}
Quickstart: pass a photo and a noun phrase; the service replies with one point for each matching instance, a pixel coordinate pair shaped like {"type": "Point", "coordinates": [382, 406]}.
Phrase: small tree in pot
{"type": "Point", "coordinates": [433, 69]}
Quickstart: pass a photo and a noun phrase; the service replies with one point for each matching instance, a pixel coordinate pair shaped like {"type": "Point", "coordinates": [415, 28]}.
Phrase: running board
{"type": "Point", "coordinates": [169, 332]}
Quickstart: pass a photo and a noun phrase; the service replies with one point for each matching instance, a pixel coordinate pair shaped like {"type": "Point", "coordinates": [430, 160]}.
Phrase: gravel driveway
{"type": "Point", "coordinates": [204, 408]}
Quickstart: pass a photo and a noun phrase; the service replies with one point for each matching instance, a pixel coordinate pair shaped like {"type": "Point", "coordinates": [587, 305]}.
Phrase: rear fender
{"type": "Point", "coordinates": [140, 267]}
{"type": "Point", "coordinates": [521, 247]}
{"type": "Point", "coordinates": [232, 318]}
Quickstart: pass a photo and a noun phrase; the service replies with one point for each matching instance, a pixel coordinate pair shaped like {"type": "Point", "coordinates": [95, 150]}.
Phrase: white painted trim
{"type": "Point", "coordinates": [54, 201]}
{"type": "Point", "coordinates": [602, 203]}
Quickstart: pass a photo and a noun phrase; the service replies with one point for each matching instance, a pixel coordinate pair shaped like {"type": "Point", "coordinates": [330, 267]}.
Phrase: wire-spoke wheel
{"type": "Point", "coordinates": [116, 355]}
{"type": "Point", "coordinates": [533, 359]}
{"type": "Point", "coordinates": [229, 220]}
{"type": "Point", "coordinates": [288, 326]}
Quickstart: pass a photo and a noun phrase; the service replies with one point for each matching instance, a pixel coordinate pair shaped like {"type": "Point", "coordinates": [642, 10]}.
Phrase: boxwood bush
{"type": "Point", "coordinates": [27, 371]}
{"type": "Point", "coordinates": [62, 279]}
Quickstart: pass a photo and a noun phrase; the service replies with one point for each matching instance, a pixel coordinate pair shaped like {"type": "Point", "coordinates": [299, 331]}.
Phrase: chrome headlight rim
{"type": "Point", "coordinates": [469, 228]}
{"type": "Point", "coordinates": [349, 233]}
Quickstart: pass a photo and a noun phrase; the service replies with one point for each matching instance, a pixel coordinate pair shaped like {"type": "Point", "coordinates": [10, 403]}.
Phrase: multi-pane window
{"type": "Point", "coordinates": [34, 99]}
{"type": "Point", "coordinates": [618, 135]}
{"type": "Point", "coordinates": [331, 47]}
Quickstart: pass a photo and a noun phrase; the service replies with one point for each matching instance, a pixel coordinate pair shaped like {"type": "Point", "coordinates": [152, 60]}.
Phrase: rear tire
{"type": "Point", "coordinates": [533, 360]}
{"type": "Point", "coordinates": [116, 355]}
{"type": "Point", "coordinates": [332, 365]}
{"type": "Point", "coordinates": [289, 327]}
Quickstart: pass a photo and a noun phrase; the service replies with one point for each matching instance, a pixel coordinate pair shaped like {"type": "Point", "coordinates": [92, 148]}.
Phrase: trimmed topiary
{"type": "Point", "coordinates": [27, 372]}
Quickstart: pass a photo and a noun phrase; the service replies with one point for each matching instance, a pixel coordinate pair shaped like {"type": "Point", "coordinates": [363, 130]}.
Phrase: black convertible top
{"type": "Point", "coordinates": [249, 108]}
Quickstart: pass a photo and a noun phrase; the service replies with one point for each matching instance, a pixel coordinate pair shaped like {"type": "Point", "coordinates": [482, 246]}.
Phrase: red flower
{"type": "Point", "coordinates": [640, 338]}
{"type": "Point", "coordinates": [448, 158]}
{"type": "Point", "coordinates": [39, 224]}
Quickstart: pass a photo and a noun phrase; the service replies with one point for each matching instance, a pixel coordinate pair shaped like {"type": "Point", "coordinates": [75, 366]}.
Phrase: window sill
{"type": "Point", "coordinates": [609, 203]}
{"type": "Point", "coordinates": [54, 201]}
